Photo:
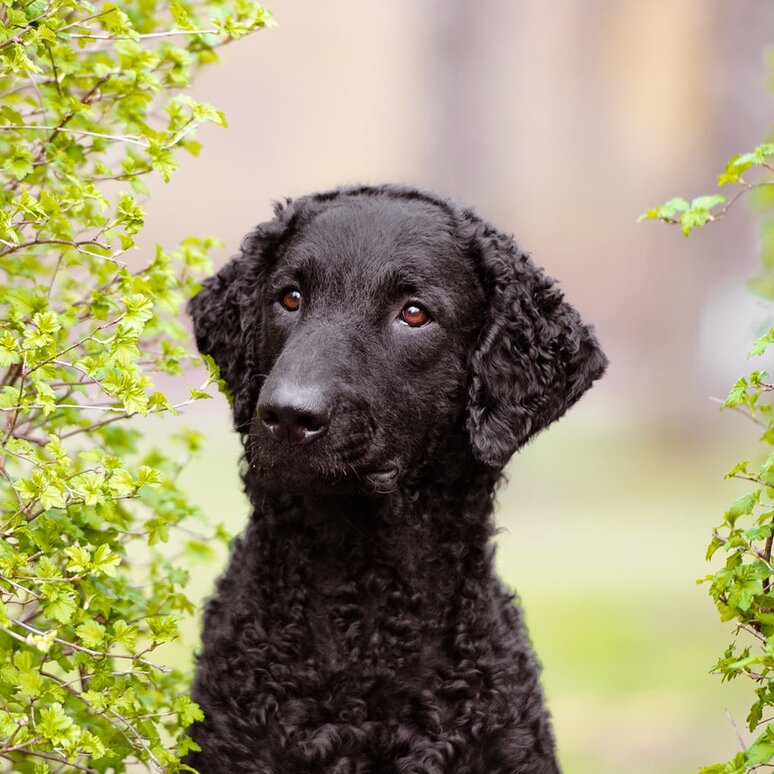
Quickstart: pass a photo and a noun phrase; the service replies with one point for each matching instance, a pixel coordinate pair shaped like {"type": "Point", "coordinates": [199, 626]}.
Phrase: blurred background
{"type": "Point", "coordinates": [560, 122]}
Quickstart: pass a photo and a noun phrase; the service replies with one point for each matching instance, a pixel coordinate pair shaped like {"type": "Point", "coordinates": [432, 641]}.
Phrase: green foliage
{"type": "Point", "coordinates": [706, 209]}
{"type": "Point", "coordinates": [91, 105]}
{"type": "Point", "coordinates": [743, 587]}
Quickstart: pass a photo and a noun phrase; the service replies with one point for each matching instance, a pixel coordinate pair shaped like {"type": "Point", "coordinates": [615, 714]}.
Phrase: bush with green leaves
{"type": "Point", "coordinates": [743, 585]}
{"type": "Point", "coordinates": [93, 101]}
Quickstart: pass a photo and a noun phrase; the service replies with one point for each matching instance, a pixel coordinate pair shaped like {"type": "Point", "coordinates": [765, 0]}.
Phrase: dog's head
{"type": "Point", "coordinates": [364, 330]}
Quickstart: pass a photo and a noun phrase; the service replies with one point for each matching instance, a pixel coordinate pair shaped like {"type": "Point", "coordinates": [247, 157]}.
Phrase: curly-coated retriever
{"type": "Point", "coordinates": [387, 351]}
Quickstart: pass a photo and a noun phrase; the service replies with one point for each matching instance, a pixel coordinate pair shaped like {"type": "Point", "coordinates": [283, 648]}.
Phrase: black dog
{"type": "Point", "coordinates": [387, 351]}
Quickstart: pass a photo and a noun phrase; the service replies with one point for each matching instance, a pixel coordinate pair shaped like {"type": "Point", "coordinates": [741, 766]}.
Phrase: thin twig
{"type": "Point", "coordinates": [12, 247]}
{"type": "Point", "coordinates": [80, 648]}
{"type": "Point", "coordinates": [736, 729]}
{"type": "Point", "coordinates": [739, 409]}
{"type": "Point", "coordinates": [63, 760]}
{"type": "Point", "coordinates": [754, 633]}
{"type": "Point", "coordinates": [146, 36]}
{"type": "Point", "coordinates": [78, 343]}
{"type": "Point", "coordinates": [113, 137]}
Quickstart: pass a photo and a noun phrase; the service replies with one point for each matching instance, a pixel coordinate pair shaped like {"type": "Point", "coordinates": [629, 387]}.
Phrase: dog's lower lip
{"type": "Point", "coordinates": [384, 478]}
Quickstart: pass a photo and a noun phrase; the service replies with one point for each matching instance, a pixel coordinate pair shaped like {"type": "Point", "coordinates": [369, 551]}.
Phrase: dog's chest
{"type": "Point", "coordinates": [357, 667]}
{"type": "Point", "coordinates": [374, 624]}
{"type": "Point", "coordinates": [369, 682]}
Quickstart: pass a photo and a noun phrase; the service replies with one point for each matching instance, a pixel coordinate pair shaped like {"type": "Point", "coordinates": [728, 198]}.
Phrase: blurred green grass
{"type": "Point", "coordinates": [603, 539]}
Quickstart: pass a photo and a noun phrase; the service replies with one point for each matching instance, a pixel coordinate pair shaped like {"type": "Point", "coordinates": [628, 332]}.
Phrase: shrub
{"type": "Point", "coordinates": [93, 101]}
{"type": "Point", "coordinates": [742, 587]}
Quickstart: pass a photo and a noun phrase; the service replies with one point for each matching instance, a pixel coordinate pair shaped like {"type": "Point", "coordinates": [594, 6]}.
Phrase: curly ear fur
{"type": "Point", "coordinates": [227, 321]}
{"type": "Point", "coordinates": [534, 358]}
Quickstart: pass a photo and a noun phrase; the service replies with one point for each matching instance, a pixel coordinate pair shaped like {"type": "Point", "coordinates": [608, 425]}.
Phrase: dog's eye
{"type": "Point", "coordinates": [291, 299]}
{"type": "Point", "coordinates": [414, 316]}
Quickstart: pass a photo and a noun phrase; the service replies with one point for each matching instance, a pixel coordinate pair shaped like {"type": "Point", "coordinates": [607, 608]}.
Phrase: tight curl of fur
{"type": "Point", "coordinates": [364, 630]}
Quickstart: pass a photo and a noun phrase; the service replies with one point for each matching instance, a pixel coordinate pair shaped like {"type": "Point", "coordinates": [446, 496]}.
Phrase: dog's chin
{"type": "Point", "coordinates": [302, 471]}
{"type": "Point", "coordinates": [306, 480]}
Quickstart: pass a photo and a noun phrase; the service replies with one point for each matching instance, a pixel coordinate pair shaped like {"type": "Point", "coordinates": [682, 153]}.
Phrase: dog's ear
{"type": "Point", "coordinates": [227, 318]}
{"type": "Point", "coordinates": [534, 357]}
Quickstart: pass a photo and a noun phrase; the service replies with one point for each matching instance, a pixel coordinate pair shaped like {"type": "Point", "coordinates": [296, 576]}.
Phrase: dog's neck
{"type": "Point", "coordinates": [428, 534]}
{"type": "Point", "coordinates": [347, 578]}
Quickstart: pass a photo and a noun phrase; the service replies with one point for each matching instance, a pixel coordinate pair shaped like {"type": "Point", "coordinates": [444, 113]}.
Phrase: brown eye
{"type": "Point", "coordinates": [414, 315]}
{"type": "Point", "coordinates": [291, 300]}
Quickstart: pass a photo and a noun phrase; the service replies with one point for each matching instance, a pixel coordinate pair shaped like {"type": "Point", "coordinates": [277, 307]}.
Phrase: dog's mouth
{"type": "Point", "coordinates": [347, 459]}
{"type": "Point", "coordinates": [309, 476]}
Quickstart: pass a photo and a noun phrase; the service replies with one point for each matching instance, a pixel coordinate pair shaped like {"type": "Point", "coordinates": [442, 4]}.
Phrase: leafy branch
{"type": "Point", "coordinates": [742, 587]}
{"type": "Point", "coordinates": [712, 208]}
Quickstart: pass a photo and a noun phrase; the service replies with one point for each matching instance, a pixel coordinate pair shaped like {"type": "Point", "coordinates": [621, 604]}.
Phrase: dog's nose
{"type": "Point", "coordinates": [294, 414]}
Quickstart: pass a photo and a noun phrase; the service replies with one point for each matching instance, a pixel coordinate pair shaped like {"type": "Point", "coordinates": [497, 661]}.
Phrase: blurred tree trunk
{"type": "Point", "coordinates": [617, 101]}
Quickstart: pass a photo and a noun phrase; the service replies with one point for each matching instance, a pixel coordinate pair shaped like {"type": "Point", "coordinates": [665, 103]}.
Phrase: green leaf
{"type": "Point", "coordinates": [740, 467]}
{"type": "Point", "coordinates": [147, 476]}
{"type": "Point", "coordinates": [692, 219]}
{"type": "Point", "coordinates": [80, 558]}
{"type": "Point", "coordinates": [125, 634]}
{"type": "Point", "coordinates": [163, 161]}
{"type": "Point", "coordinates": [55, 725]}
{"type": "Point", "coordinates": [9, 350]}
{"type": "Point", "coordinates": [114, 20]}
{"type": "Point", "coordinates": [124, 346]}
{"type": "Point", "coordinates": [105, 561]}
{"type": "Point", "coordinates": [188, 710]}
{"type": "Point", "coordinates": [46, 322]}
{"type": "Point", "coordinates": [746, 584]}
{"type": "Point", "coordinates": [717, 768]}
{"type": "Point", "coordinates": [738, 394]}
{"type": "Point", "coordinates": [29, 683]}
{"type": "Point", "coordinates": [707, 202]}
{"type": "Point", "coordinates": [762, 344]}
{"type": "Point", "coordinates": [742, 506]}
{"type": "Point", "coordinates": [129, 214]}
{"type": "Point", "coordinates": [762, 751]}
{"type": "Point", "coordinates": [91, 633]}
{"type": "Point", "coordinates": [121, 482]}
{"type": "Point", "coordinates": [52, 495]}
{"type": "Point", "coordinates": [62, 608]}
{"type": "Point", "coordinates": [180, 15]}
{"type": "Point", "coordinates": [139, 310]}
{"type": "Point", "coordinates": [19, 164]}
{"type": "Point", "coordinates": [162, 628]}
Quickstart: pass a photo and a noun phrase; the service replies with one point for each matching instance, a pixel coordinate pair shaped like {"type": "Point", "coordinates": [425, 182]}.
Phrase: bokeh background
{"type": "Point", "coordinates": [559, 121]}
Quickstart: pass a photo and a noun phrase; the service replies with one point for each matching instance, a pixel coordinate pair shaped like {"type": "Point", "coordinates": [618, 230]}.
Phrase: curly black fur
{"type": "Point", "coordinates": [360, 627]}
